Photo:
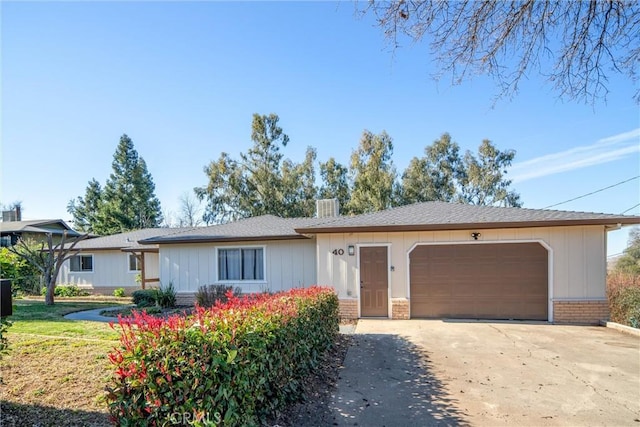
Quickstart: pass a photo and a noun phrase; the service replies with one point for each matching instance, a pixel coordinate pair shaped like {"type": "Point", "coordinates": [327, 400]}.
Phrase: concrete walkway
{"type": "Point", "coordinates": [94, 315]}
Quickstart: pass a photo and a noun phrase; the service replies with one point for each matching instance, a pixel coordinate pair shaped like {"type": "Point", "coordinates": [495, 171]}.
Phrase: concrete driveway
{"type": "Point", "coordinates": [434, 372]}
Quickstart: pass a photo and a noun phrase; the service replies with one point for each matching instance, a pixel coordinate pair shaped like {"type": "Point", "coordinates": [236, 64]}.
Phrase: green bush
{"type": "Point", "coordinates": [208, 295]}
{"type": "Point", "coordinates": [119, 293]}
{"type": "Point", "coordinates": [66, 291]}
{"type": "Point", "coordinates": [623, 291]}
{"type": "Point", "coordinates": [4, 342]}
{"type": "Point", "coordinates": [234, 364]}
{"type": "Point", "coordinates": [165, 296]}
{"type": "Point", "coordinates": [144, 297]}
{"type": "Point", "coordinates": [25, 277]}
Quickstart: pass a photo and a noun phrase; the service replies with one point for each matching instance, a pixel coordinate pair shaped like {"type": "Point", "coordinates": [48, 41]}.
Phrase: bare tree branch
{"type": "Point", "coordinates": [576, 45]}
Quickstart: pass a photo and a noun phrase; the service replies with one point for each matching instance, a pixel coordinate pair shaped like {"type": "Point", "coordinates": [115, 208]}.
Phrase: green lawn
{"type": "Point", "coordinates": [34, 317]}
{"type": "Point", "coordinates": [56, 369]}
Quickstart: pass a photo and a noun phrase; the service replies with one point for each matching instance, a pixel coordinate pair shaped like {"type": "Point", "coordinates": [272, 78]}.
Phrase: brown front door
{"type": "Point", "coordinates": [374, 284]}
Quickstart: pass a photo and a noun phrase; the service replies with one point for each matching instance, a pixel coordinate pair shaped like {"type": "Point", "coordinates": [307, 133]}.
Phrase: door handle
{"type": "Point", "coordinates": [361, 284]}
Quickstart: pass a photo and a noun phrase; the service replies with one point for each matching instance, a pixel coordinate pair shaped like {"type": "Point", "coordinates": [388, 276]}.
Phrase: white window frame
{"type": "Point", "coordinates": [138, 263]}
{"type": "Point", "coordinates": [82, 271]}
{"type": "Point", "coordinates": [264, 263]}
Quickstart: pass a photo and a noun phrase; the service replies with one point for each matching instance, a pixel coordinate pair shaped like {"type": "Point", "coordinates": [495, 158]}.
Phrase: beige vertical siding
{"type": "Point", "coordinates": [578, 260]}
{"type": "Point", "coordinates": [110, 269]}
{"type": "Point", "coordinates": [288, 264]}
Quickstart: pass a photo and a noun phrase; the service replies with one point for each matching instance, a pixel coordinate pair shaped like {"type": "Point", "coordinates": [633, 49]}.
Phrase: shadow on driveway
{"type": "Point", "coordinates": [388, 381]}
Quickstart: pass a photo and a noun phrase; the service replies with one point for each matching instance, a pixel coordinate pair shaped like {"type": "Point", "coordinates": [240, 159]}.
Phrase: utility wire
{"type": "Point", "coordinates": [594, 192]}
{"type": "Point", "coordinates": [631, 208]}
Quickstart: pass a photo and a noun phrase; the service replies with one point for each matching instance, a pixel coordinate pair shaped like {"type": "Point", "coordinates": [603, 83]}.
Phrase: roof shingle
{"type": "Point", "coordinates": [458, 216]}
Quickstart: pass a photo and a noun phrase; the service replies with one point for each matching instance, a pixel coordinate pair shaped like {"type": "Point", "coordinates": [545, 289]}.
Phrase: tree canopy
{"type": "Point", "coordinates": [262, 181]}
{"type": "Point", "coordinates": [576, 45]}
{"type": "Point", "coordinates": [629, 262]}
{"type": "Point", "coordinates": [442, 174]}
{"type": "Point", "coordinates": [127, 201]}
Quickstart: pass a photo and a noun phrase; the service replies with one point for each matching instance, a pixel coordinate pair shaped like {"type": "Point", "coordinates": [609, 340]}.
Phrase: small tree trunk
{"type": "Point", "coordinates": [51, 286]}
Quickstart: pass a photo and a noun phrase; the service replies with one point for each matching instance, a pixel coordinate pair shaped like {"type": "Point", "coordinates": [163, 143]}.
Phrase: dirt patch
{"type": "Point", "coordinates": [313, 409]}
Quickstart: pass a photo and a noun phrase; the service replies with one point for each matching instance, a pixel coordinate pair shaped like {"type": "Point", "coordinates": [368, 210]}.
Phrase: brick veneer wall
{"type": "Point", "coordinates": [185, 299]}
{"type": "Point", "coordinates": [580, 312]}
{"type": "Point", "coordinates": [399, 308]}
{"type": "Point", "coordinates": [349, 308]}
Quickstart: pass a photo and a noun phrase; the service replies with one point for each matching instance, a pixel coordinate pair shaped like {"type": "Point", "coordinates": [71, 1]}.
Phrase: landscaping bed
{"type": "Point", "coordinates": [57, 371]}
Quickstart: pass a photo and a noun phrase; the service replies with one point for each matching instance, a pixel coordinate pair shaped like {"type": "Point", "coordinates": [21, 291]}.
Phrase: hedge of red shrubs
{"type": "Point", "coordinates": [233, 364]}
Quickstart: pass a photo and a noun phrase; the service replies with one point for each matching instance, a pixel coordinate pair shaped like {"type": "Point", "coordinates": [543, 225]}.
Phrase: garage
{"type": "Point", "coordinates": [479, 281]}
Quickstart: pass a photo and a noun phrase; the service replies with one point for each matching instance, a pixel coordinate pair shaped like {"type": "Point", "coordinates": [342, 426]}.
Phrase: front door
{"type": "Point", "coordinates": [374, 294]}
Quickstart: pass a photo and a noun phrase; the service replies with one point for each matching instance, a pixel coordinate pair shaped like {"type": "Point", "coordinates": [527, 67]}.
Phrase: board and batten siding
{"type": "Point", "coordinates": [289, 264]}
{"type": "Point", "coordinates": [110, 269]}
{"type": "Point", "coordinates": [578, 261]}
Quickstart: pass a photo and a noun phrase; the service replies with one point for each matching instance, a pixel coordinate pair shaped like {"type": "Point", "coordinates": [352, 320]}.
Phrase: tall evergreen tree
{"type": "Point", "coordinates": [373, 174]}
{"type": "Point", "coordinates": [128, 200]}
{"type": "Point", "coordinates": [482, 180]}
{"type": "Point", "coordinates": [85, 210]}
{"type": "Point", "coordinates": [445, 176]}
{"type": "Point", "coordinates": [335, 182]}
{"type": "Point", "coordinates": [432, 177]}
{"type": "Point", "coordinates": [260, 182]}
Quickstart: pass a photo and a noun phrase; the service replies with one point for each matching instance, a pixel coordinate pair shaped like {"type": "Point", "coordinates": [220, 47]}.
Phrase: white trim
{"type": "Point", "coordinates": [543, 243]}
{"type": "Point", "coordinates": [371, 245]}
{"type": "Point", "coordinates": [240, 282]}
{"type": "Point", "coordinates": [82, 271]}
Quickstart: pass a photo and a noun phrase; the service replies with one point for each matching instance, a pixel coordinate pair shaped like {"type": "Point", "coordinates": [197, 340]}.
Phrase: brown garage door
{"type": "Point", "coordinates": [479, 281]}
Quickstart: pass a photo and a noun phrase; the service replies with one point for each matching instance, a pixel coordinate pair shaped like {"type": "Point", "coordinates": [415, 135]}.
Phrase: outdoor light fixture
{"type": "Point", "coordinates": [351, 250]}
{"type": "Point", "coordinates": [475, 235]}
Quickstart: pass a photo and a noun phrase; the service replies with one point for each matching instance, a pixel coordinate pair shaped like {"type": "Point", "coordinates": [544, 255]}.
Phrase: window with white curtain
{"type": "Point", "coordinates": [240, 264]}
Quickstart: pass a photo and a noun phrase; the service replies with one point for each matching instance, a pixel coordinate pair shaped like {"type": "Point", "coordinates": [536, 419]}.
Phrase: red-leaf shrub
{"type": "Point", "coordinates": [233, 364]}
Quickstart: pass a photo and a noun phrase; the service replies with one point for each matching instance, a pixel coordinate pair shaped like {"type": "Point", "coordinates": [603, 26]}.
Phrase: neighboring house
{"type": "Point", "coordinates": [37, 229]}
{"type": "Point", "coordinates": [427, 260]}
{"type": "Point", "coordinates": [117, 261]}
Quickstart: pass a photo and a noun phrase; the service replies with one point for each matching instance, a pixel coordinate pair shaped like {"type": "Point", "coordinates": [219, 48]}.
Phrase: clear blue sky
{"type": "Point", "coordinates": [183, 79]}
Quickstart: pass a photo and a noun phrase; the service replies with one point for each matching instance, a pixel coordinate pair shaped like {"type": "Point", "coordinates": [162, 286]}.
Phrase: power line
{"type": "Point", "coordinates": [593, 192]}
{"type": "Point", "coordinates": [631, 208]}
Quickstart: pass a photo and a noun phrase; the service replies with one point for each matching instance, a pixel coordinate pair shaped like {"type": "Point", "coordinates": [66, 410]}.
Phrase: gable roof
{"type": "Point", "coordinates": [43, 226]}
{"type": "Point", "coordinates": [457, 216]}
{"type": "Point", "coordinates": [127, 241]}
{"type": "Point", "coordinates": [265, 227]}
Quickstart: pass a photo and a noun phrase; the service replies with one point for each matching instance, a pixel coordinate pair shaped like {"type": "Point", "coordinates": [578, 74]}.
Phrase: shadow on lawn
{"type": "Point", "coordinates": [389, 381]}
{"type": "Point", "coordinates": [23, 415]}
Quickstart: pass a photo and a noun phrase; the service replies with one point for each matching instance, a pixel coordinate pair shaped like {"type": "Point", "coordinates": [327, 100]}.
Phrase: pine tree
{"type": "Point", "coordinates": [128, 200]}
{"type": "Point", "coordinates": [373, 174]}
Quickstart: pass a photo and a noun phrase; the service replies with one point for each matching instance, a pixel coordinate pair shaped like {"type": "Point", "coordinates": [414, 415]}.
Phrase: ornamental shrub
{"type": "Point", "coordinates": [208, 295]}
{"type": "Point", "coordinates": [233, 364]}
{"type": "Point", "coordinates": [144, 297]}
{"type": "Point", "coordinates": [623, 290]}
{"type": "Point", "coordinates": [119, 292]}
{"type": "Point", "coordinates": [165, 296]}
{"type": "Point", "coordinates": [66, 291]}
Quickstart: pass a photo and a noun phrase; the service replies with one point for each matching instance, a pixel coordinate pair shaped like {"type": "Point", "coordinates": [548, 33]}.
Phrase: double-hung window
{"type": "Point", "coordinates": [81, 263]}
{"type": "Point", "coordinates": [237, 264]}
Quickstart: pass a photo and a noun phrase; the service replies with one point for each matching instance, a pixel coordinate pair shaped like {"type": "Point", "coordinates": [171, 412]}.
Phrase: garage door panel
{"type": "Point", "coordinates": [487, 281]}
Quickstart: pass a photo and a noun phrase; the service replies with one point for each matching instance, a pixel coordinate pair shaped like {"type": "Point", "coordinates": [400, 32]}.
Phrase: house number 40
{"type": "Point", "coordinates": [338, 252]}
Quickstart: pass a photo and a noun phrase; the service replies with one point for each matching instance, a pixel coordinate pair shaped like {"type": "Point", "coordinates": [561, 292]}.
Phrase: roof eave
{"type": "Point", "coordinates": [468, 226]}
{"type": "Point", "coordinates": [223, 239]}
